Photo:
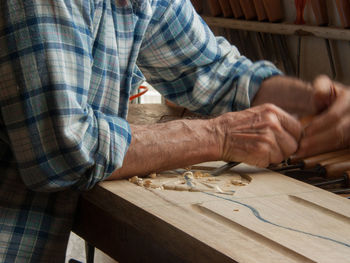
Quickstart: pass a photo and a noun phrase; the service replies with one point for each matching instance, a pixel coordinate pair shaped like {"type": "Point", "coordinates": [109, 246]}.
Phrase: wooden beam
{"type": "Point", "coordinates": [280, 28]}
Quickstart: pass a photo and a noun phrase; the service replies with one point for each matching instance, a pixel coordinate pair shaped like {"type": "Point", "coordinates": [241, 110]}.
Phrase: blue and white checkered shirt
{"type": "Point", "coordinates": [67, 68]}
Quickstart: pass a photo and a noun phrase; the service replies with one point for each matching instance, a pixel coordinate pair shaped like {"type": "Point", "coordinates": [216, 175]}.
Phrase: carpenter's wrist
{"type": "Point", "coordinates": [218, 135]}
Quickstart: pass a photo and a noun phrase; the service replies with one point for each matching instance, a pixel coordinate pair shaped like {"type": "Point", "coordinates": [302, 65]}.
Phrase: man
{"type": "Point", "coordinates": [67, 69]}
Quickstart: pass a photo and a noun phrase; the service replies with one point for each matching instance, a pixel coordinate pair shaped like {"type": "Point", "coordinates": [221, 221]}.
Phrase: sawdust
{"type": "Point", "coordinates": [192, 181]}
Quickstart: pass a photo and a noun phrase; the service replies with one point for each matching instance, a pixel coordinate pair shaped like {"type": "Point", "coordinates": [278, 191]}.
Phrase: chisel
{"type": "Point", "coordinates": [341, 191]}
{"type": "Point", "coordinates": [224, 168]}
{"type": "Point", "coordinates": [329, 171]}
{"type": "Point", "coordinates": [313, 161]}
{"type": "Point", "coordinates": [320, 157]}
{"type": "Point", "coordinates": [344, 181]}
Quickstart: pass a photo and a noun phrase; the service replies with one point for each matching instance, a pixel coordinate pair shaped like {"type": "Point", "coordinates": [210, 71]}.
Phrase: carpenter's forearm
{"type": "Point", "coordinates": [169, 145]}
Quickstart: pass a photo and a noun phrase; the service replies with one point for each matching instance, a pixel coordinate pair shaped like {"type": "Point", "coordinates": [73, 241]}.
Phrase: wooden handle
{"type": "Point", "coordinates": [343, 7]}
{"type": "Point", "coordinates": [260, 10]}
{"type": "Point", "coordinates": [319, 8]}
{"type": "Point", "coordinates": [248, 9]}
{"type": "Point", "coordinates": [314, 160]}
{"type": "Point", "coordinates": [214, 8]}
{"type": "Point", "coordinates": [198, 5]}
{"type": "Point", "coordinates": [337, 169]}
{"type": "Point", "coordinates": [236, 9]}
{"type": "Point", "coordinates": [273, 10]}
{"type": "Point", "coordinates": [226, 8]}
{"type": "Point", "coordinates": [337, 159]}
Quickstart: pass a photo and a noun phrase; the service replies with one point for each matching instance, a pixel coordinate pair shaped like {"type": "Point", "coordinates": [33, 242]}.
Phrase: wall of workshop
{"type": "Point", "coordinates": [314, 58]}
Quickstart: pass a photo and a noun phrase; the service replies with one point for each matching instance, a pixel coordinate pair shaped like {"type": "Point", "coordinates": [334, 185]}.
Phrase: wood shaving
{"type": "Point", "coordinates": [147, 183]}
{"type": "Point", "coordinates": [136, 180]}
{"type": "Point", "coordinates": [153, 175]}
{"type": "Point", "coordinates": [212, 179]}
{"type": "Point", "coordinates": [238, 183]}
{"type": "Point", "coordinates": [199, 174]}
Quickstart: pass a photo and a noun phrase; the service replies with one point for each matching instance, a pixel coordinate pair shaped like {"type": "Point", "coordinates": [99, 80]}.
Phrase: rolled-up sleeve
{"type": "Point", "coordinates": [57, 135]}
{"type": "Point", "coordinates": [186, 63]}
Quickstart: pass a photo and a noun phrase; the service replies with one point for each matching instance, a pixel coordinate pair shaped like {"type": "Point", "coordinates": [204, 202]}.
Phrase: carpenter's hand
{"type": "Point", "coordinates": [258, 136]}
{"type": "Point", "coordinates": [290, 94]}
{"type": "Point", "coordinates": [329, 130]}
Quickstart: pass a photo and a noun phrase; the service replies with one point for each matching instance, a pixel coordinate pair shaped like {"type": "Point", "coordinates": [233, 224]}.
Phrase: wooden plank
{"type": "Point", "coordinates": [272, 219]}
{"type": "Point", "coordinates": [279, 28]}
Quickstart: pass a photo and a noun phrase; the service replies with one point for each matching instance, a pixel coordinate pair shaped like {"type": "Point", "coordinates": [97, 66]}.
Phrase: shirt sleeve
{"type": "Point", "coordinates": [58, 138]}
{"type": "Point", "coordinates": [188, 65]}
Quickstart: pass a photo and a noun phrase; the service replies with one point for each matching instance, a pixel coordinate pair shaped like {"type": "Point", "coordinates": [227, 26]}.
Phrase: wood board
{"type": "Point", "coordinates": [272, 219]}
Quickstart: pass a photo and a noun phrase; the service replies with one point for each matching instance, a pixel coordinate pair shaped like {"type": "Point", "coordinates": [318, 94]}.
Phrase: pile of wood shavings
{"type": "Point", "coordinates": [188, 181]}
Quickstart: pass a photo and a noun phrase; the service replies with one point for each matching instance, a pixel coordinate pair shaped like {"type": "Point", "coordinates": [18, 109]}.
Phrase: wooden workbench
{"type": "Point", "coordinates": [271, 219]}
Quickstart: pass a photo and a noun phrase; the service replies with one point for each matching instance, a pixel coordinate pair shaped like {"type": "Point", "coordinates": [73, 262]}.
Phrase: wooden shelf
{"type": "Point", "coordinates": [280, 28]}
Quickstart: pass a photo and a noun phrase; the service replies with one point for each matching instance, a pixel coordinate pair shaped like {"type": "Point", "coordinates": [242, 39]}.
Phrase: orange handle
{"type": "Point", "coordinates": [313, 160]}
{"type": "Point", "coordinates": [337, 169]}
{"type": "Point", "coordinates": [337, 159]}
{"type": "Point", "coordinates": [144, 88]}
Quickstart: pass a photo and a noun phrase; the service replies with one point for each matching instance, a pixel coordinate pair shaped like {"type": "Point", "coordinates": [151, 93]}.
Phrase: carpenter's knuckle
{"type": "Point", "coordinates": [262, 147]}
{"type": "Point", "coordinates": [269, 107]}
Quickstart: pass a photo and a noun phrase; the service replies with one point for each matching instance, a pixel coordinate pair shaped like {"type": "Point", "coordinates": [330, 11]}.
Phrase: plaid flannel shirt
{"type": "Point", "coordinates": [67, 68]}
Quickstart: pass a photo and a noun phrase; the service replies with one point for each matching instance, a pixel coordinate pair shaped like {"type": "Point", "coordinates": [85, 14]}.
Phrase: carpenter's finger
{"type": "Point", "coordinates": [329, 140]}
{"type": "Point", "coordinates": [287, 143]}
{"type": "Point", "coordinates": [339, 109]}
{"type": "Point", "coordinates": [323, 92]}
{"type": "Point", "coordinates": [290, 124]}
